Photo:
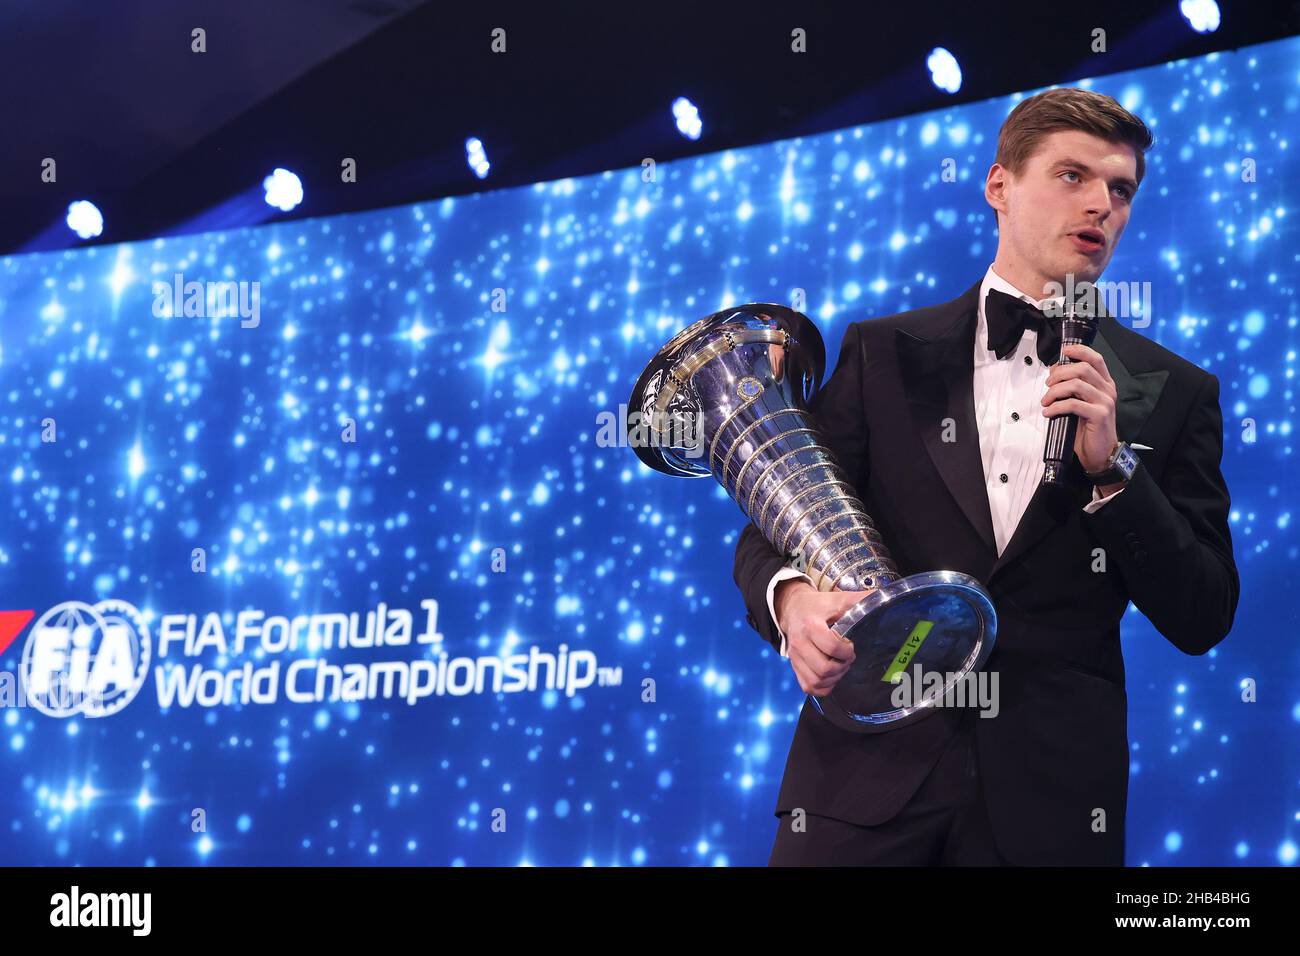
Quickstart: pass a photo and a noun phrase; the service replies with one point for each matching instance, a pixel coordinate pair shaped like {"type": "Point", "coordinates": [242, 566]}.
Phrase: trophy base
{"type": "Point", "coordinates": [915, 641]}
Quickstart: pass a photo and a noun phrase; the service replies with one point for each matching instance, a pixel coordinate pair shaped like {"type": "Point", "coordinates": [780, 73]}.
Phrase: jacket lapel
{"type": "Point", "coordinates": [1137, 392]}
{"type": "Point", "coordinates": [938, 367]}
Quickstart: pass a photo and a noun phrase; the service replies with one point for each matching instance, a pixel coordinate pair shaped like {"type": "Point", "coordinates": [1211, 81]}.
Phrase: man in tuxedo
{"type": "Point", "coordinates": [938, 416]}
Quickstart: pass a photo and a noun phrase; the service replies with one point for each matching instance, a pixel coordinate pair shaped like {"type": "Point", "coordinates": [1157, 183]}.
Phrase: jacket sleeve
{"type": "Point", "coordinates": [841, 419]}
{"type": "Point", "coordinates": [1171, 541]}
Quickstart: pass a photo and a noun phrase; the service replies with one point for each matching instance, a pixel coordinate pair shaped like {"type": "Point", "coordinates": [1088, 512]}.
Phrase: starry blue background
{"type": "Point", "coordinates": [477, 429]}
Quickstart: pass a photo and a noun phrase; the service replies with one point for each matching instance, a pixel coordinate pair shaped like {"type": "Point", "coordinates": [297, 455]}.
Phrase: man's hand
{"type": "Point", "coordinates": [1085, 388]}
{"type": "Point", "coordinates": [819, 656]}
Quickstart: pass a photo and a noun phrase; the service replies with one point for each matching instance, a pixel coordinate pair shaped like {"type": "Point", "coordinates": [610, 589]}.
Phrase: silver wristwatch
{"type": "Point", "coordinates": [1119, 467]}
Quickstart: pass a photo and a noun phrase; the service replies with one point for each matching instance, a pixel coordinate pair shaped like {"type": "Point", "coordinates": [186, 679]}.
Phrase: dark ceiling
{"type": "Point", "coordinates": [158, 136]}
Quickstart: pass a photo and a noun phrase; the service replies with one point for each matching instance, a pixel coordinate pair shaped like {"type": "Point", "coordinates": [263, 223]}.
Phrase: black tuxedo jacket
{"type": "Point", "coordinates": [1054, 762]}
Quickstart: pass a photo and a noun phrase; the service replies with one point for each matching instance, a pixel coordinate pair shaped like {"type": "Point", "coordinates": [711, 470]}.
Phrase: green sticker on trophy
{"type": "Point", "coordinates": [907, 651]}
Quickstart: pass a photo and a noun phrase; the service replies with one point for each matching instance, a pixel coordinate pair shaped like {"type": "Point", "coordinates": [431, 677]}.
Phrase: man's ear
{"type": "Point", "coordinates": [995, 186]}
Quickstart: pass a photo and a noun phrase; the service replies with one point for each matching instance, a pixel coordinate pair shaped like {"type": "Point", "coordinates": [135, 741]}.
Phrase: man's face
{"type": "Point", "coordinates": [1074, 190]}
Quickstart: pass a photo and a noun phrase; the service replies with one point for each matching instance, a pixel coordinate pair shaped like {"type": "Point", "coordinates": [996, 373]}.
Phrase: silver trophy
{"type": "Point", "coordinates": [728, 397]}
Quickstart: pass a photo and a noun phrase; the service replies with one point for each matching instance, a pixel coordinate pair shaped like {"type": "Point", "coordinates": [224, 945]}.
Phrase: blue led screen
{"type": "Point", "coordinates": [378, 591]}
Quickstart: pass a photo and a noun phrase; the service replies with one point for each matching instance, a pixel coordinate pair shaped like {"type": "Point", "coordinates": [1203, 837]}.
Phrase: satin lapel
{"type": "Point", "coordinates": [1137, 392]}
{"type": "Point", "coordinates": [1136, 396]}
{"type": "Point", "coordinates": [937, 375]}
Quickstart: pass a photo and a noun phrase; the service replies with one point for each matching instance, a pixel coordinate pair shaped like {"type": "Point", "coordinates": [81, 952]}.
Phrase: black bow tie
{"type": "Point", "coordinates": [1008, 317]}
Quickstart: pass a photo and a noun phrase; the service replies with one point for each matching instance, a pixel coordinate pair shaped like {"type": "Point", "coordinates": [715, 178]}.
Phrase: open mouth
{"type": "Point", "coordinates": [1088, 240]}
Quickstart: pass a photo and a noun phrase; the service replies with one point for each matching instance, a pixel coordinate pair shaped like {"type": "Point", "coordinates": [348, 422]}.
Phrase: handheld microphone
{"type": "Point", "coordinates": [1061, 429]}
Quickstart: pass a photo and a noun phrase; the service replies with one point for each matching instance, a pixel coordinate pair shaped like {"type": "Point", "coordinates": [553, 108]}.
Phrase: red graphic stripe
{"type": "Point", "coordinates": [11, 625]}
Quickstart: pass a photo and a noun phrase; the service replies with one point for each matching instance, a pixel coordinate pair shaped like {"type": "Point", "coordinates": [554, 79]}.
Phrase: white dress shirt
{"type": "Point", "coordinates": [1012, 429]}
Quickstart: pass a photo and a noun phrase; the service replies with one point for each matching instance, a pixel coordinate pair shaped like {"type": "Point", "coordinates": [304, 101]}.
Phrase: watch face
{"type": "Point", "coordinates": [1125, 460]}
{"type": "Point", "coordinates": [1120, 467]}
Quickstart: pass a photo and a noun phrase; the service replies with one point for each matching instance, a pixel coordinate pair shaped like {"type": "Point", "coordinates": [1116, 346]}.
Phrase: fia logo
{"type": "Point", "coordinates": [85, 659]}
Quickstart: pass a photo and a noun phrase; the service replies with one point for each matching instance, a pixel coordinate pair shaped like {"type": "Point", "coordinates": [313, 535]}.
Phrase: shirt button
{"type": "Point", "coordinates": [1028, 360]}
{"type": "Point", "coordinates": [1015, 416]}
{"type": "Point", "coordinates": [1002, 478]}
